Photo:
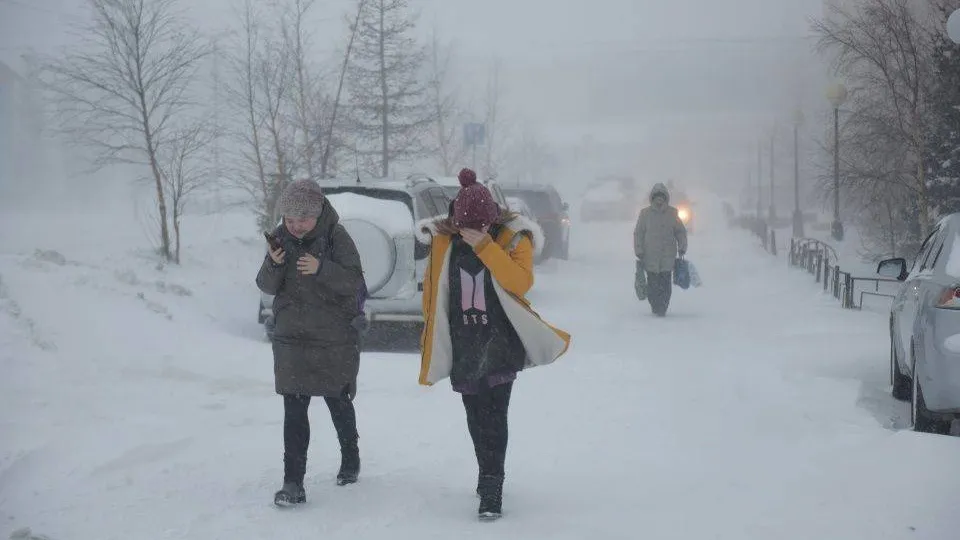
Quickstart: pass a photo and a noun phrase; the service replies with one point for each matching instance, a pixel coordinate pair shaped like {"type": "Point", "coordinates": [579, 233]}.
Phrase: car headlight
{"type": "Point", "coordinates": [683, 214]}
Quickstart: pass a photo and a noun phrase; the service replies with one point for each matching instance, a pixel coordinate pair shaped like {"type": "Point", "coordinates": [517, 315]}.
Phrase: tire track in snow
{"type": "Point", "coordinates": [12, 308]}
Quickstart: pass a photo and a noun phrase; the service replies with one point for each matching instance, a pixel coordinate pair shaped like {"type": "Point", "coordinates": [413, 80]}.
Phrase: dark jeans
{"type": "Point", "coordinates": [296, 431]}
{"type": "Point", "coordinates": [487, 422]}
{"type": "Point", "coordinates": [659, 290]}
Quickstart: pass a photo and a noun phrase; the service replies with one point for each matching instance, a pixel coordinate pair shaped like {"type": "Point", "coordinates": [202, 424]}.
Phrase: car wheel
{"type": "Point", "coordinates": [923, 421]}
{"type": "Point", "coordinates": [261, 318]}
{"type": "Point", "coordinates": [902, 386]}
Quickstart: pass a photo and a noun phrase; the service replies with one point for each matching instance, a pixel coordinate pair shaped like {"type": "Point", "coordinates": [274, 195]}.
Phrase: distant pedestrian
{"type": "Point", "coordinates": [658, 238]}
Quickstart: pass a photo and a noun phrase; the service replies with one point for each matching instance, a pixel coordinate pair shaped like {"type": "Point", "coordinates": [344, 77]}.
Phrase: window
{"type": "Point", "coordinates": [440, 200]}
{"type": "Point", "coordinates": [924, 252]}
{"type": "Point", "coordinates": [936, 248]}
{"type": "Point", "coordinates": [425, 205]}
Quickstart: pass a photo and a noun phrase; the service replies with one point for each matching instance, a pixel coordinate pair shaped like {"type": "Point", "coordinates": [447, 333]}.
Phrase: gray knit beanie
{"type": "Point", "coordinates": [301, 199]}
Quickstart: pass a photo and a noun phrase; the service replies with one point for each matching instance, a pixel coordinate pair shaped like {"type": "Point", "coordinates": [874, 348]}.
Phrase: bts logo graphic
{"type": "Point", "coordinates": [473, 297]}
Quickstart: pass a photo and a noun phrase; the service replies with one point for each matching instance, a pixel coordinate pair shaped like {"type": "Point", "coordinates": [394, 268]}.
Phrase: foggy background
{"type": "Point", "coordinates": [684, 89]}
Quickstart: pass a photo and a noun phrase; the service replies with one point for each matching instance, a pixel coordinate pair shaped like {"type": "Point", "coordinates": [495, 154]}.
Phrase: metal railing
{"type": "Point", "coordinates": [820, 260]}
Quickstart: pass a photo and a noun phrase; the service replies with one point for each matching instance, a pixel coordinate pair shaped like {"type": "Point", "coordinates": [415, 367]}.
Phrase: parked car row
{"type": "Point", "coordinates": [381, 216]}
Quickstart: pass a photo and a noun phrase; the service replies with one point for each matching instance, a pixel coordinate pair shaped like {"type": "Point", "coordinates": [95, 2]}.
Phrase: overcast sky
{"type": "Point", "coordinates": [697, 70]}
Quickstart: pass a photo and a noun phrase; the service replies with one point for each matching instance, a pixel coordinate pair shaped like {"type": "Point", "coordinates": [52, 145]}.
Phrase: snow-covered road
{"type": "Point", "coordinates": [138, 404]}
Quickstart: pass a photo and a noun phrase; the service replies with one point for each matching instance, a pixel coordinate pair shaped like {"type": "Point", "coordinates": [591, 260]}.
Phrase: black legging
{"type": "Point", "coordinates": [660, 289]}
{"type": "Point", "coordinates": [487, 422]}
{"type": "Point", "coordinates": [296, 431]}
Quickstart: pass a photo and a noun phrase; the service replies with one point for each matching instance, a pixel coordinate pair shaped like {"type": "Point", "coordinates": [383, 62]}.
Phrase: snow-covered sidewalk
{"type": "Point", "coordinates": [137, 403]}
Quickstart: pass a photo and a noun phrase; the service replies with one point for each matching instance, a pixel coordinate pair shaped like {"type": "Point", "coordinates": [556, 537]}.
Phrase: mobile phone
{"type": "Point", "coordinates": [274, 242]}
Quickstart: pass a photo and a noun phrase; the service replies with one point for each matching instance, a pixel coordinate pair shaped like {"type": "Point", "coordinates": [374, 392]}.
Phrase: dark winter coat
{"type": "Point", "coordinates": [316, 348]}
{"type": "Point", "coordinates": [659, 235]}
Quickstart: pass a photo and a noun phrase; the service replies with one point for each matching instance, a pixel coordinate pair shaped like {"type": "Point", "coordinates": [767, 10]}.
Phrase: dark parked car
{"type": "Point", "coordinates": [925, 329]}
{"type": "Point", "coordinates": [552, 217]}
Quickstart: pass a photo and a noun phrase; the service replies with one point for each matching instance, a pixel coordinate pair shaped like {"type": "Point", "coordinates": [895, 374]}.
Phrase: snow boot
{"type": "Point", "coordinates": [349, 464]}
{"type": "Point", "coordinates": [290, 494]}
{"type": "Point", "coordinates": [491, 497]}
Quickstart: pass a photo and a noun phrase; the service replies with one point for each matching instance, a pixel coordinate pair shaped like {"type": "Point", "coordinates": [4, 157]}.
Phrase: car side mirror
{"type": "Point", "coordinates": [893, 268]}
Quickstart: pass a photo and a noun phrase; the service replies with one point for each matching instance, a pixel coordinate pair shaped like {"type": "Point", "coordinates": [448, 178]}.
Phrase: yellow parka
{"type": "Point", "coordinates": [509, 258]}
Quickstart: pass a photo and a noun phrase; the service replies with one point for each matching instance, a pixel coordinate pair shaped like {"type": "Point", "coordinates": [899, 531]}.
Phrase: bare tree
{"type": "Point", "coordinates": [126, 82]}
{"type": "Point", "coordinates": [883, 48]}
{"type": "Point", "coordinates": [497, 129]}
{"type": "Point", "coordinates": [259, 90]}
{"type": "Point", "coordinates": [186, 168]}
{"type": "Point", "coordinates": [448, 116]}
{"type": "Point", "coordinates": [330, 139]}
{"type": "Point", "coordinates": [307, 102]}
{"type": "Point", "coordinates": [389, 100]}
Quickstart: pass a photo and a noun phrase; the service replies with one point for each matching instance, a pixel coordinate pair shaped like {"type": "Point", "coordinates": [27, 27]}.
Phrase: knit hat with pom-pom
{"type": "Point", "coordinates": [474, 207]}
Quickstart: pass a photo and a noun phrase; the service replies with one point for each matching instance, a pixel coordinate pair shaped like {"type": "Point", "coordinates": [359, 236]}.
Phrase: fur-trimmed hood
{"type": "Point", "coordinates": [518, 223]}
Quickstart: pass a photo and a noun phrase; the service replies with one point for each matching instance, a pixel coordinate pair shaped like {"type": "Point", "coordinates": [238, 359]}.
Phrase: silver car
{"type": "Point", "coordinates": [925, 329]}
{"type": "Point", "coordinates": [381, 216]}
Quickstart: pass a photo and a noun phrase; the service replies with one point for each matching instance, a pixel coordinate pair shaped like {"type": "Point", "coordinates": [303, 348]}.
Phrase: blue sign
{"type": "Point", "coordinates": [474, 134]}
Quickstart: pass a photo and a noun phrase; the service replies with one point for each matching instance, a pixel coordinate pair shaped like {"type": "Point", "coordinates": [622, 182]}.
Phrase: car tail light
{"type": "Point", "coordinates": [949, 298]}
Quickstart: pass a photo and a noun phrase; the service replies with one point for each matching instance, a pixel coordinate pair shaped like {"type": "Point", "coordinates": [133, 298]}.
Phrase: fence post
{"type": "Point", "coordinates": [826, 275]}
{"type": "Point", "coordinates": [849, 291]}
{"type": "Point", "coordinates": [836, 282]}
{"type": "Point", "coordinates": [773, 242]}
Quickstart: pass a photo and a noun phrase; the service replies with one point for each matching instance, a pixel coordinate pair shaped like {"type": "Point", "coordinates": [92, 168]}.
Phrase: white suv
{"type": "Point", "coordinates": [381, 217]}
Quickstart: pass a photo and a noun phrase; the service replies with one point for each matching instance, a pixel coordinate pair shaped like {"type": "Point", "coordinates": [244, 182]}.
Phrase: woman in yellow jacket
{"type": "Point", "coordinates": [479, 329]}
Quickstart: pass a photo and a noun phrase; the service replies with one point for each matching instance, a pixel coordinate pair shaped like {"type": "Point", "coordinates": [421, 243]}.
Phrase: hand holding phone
{"type": "Point", "coordinates": [275, 248]}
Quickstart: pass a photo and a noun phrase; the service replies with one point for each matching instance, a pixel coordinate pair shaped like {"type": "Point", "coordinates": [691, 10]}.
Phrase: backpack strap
{"type": "Point", "coordinates": [364, 292]}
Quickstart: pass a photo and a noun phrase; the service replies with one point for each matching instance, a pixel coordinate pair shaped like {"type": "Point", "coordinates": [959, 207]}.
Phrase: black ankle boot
{"type": "Point", "coordinates": [290, 494]}
{"type": "Point", "coordinates": [490, 489]}
{"type": "Point", "coordinates": [349, 464]}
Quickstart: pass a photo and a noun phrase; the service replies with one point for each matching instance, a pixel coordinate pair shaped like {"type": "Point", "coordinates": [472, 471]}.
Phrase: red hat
{"type": "Point", "coordinates": [474, 207]}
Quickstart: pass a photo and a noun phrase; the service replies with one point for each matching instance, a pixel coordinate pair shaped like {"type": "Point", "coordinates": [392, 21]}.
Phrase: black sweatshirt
{"type": "Point", "coordinates": [486, 347]}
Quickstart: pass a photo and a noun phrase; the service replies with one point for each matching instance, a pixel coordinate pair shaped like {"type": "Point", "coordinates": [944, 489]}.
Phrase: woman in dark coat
{"type": "Point", "coordinates": [317, 280]}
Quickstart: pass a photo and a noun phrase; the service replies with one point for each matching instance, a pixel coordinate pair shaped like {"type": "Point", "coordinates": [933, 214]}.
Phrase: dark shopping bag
{"type": "Point", "coordinates": [681, 274]}
{"type": "Point", "coordinates": [640, 282]}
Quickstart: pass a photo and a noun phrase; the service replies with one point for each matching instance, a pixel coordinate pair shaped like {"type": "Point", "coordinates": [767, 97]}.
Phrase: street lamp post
{"type": "Point", "coordinates": [773, 205]}
{"type": "Point", "coordinates": [759, 182]}
{"type": "Point", "coordinates": [837, 95]}
{"type": "Point", "coordinates": [797, 214]}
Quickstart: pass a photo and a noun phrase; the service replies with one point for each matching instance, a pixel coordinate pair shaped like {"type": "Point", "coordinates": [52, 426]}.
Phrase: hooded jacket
{"type": "Point", "coordinates": [659, 234]}
{"type": "Point", "coordinates": [509, 258]}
